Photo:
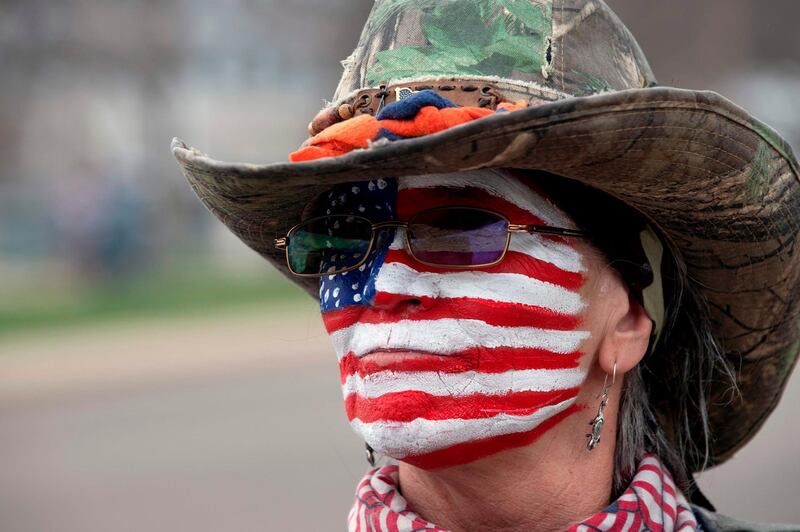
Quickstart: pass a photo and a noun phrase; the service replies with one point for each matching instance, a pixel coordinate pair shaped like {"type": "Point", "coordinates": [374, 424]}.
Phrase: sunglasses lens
{"type": "Point", "coordinates": [328, 245]}
{"type": "Point", "coordinates": [458, 236]}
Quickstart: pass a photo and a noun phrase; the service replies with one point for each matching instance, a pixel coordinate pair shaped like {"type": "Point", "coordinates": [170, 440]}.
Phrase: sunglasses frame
{"type": "Point", "coordinates": [282, 243]}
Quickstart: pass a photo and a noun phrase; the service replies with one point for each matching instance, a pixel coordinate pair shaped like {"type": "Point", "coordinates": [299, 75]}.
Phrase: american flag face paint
{"type": "Point", "coordinates": [445, 366]}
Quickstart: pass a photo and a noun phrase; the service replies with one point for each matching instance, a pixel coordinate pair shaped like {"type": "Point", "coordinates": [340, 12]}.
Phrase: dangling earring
{"type": "Point", "coordinates": [600, 419]}
{"type": "Point", "coordinates": [370, 455]}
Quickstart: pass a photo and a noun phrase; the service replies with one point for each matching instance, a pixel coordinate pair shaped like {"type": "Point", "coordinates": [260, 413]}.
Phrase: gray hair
{"type": "Point", "coordinates": [663, 409]}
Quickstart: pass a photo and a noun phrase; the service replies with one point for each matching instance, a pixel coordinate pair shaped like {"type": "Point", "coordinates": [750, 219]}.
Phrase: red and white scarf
{"type": "Point", "coordinates": [651, 502]}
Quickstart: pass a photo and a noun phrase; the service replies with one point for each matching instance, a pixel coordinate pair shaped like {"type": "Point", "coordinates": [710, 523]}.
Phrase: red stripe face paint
{"type": "Point", "coordinates": [445, 366]}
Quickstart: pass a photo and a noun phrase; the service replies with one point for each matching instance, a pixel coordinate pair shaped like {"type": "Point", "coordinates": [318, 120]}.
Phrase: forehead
{"type": "Point", "coordinates": [505, 191]}
{"type": "Point", "coordinates": [388, 198]}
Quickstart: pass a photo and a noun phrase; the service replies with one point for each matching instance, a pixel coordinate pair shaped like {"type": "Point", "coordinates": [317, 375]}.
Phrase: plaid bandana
{"type": "Point", "coordinates": [652, 502]}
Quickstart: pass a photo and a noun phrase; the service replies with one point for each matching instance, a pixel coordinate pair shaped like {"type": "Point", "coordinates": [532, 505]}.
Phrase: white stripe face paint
{"type": "Point", "coordinates": [449, 337]}
{"type": "Point", "coordinates": [397, 278]}
{"type": "Point", "coordinates": [422, 436]}
{"type": "Point", "coordinates": [393, 308]}
{"type": "Point", "coordinates": [538, 247]}
{"type": "Point", "coordinates": [464, 383]}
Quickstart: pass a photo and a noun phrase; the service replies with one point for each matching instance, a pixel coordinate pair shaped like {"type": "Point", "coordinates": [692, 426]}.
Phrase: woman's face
{"type": "Point", "coordinates": [445, 366]}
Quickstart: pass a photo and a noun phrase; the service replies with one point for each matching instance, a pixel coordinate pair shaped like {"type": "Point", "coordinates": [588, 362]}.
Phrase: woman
{"type": "Point", "coordinates": [445, 367]}
{"type": "Point", "coordinates": [545, 277]}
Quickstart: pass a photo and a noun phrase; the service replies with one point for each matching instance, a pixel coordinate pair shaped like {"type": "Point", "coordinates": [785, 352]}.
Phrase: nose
{"type": "Point", "coordinates": [393, 283]}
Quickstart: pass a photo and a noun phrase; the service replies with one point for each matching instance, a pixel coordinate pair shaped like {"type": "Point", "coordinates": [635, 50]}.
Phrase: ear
{"type": "Point", "coordinates": [626, 338]}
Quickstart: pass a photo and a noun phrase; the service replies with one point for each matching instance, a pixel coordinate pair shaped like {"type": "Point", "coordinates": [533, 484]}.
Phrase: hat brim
{"type": "Point", "coordinates": [720, 185]}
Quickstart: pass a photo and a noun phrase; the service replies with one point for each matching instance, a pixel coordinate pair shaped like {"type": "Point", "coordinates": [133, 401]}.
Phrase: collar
{"type": "Point", "coordinates": [651, 502]}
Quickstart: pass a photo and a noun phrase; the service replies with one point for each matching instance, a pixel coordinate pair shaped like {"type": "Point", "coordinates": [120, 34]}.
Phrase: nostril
{"type": "Point", "coordinates": [386, 301]}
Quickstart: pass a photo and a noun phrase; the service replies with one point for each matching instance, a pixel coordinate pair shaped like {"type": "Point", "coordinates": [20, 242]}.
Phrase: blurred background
{"type": "Point", "coordinates": [155, 374]}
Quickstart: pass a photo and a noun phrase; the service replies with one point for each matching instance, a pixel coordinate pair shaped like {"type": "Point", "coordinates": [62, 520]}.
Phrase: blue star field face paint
{"type": "Point", "coordinates": [375, 200]}
{"type": "Point", "coordinates": [445, 366]}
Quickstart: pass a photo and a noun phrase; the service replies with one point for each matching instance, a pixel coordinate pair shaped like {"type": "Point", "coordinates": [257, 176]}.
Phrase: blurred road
{"type": "Point", "coordinates": [231, 422]}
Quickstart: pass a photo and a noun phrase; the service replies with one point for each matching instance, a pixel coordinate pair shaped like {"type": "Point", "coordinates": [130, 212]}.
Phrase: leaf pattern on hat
{"type": "Point", "coordinates": [487, 38]}
{"type": "Point", "coordinates": [755, 184]}
{"type": "Point", "coordinates": [590, 84]}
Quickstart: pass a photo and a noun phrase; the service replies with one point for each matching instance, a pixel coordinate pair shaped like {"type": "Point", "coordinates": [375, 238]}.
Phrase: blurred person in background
{"type": "Point", "coordinates": [99, 222]}
{"type": "Point", "coordinates": [556, 290]}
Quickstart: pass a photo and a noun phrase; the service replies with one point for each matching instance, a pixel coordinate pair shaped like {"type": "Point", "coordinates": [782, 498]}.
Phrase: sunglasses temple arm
{"type": "Point", "coordinates": [545, 230]}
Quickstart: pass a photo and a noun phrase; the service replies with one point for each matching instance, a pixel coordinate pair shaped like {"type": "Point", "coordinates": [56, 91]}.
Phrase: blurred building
{"type": "Point", "coordinates": [92, 91]}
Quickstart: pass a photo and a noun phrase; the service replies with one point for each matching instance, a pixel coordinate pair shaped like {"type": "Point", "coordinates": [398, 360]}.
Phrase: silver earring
{"type": "Point", "coordinates": [600, 419]}
{"type": "Point", "coordinates": [370, 455]}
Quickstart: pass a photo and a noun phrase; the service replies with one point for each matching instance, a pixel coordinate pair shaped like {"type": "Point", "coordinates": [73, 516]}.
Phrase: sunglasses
{"type": "Point", "coordinates": [450, 237]}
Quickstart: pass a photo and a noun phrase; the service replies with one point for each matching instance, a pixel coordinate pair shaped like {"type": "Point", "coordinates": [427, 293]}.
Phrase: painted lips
{"type": "Point", "coordinates": [389, 356]}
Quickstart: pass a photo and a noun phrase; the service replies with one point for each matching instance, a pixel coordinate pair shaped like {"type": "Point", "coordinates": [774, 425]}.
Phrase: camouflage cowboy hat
{"type": "Point", "coordinates": [722, 187]}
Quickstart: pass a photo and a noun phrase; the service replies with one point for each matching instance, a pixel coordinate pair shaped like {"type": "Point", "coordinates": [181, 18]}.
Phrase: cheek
{"type": "Point", "coordinates": [596, 292]}
{"type": "Point", "coordinates": [348, 300]}
{"type": "Point", "coordinates": [343, 289]}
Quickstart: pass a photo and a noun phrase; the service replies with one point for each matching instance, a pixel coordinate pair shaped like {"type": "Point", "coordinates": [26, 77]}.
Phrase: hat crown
{"type": "Point", "coordinates": [564, 47]}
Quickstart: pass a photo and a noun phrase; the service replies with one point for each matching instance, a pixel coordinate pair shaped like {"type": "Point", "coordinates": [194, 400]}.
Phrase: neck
{"type": "Point", "coordinates": [546, 486]}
